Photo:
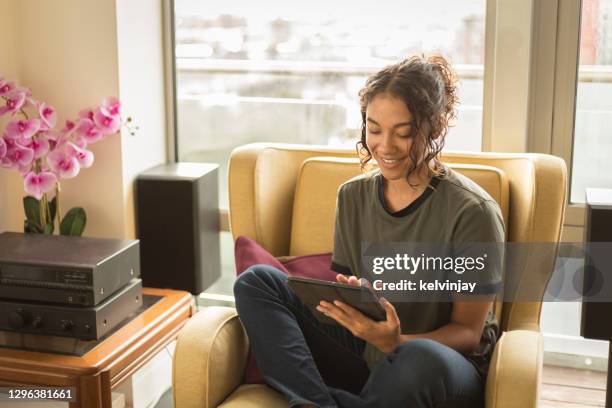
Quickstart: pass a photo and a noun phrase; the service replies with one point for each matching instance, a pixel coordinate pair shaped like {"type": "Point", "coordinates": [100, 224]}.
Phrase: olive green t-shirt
{"type": "Point", "coordinates": [452, 209]}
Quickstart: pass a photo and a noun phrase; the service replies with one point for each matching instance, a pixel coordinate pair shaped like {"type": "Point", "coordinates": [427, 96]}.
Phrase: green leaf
{"type": "Point", "coordinates": [31, 208]}
{"type": "Point", "coordinates": [73, 222]}
{"type": "Point", "coordinates": [48, 230]}
{"type": "Point", "coordinates": [31, 228]}
{"type": "Point", "coordinates": [52, 208]}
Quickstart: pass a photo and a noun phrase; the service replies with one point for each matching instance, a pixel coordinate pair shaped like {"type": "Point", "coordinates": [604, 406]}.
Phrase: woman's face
{"type": "Point", "coordinates": [388, 135]}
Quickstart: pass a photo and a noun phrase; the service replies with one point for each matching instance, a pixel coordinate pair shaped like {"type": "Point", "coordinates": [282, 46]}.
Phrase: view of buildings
{"type": "Point", "coordinates": [245, 74]}
{"type": "Point", "coordinates": [291, 72]}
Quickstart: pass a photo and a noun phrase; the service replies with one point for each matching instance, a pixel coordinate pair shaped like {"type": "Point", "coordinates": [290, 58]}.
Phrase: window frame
{"type": "Point", "coordinates": [538, 116]}
{"type": "Point", "coordinates": [566, 83]}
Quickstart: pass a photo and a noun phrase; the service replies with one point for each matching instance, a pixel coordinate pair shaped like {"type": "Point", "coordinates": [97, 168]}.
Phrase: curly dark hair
{"type": "Point", "coordinates": [428, 88]}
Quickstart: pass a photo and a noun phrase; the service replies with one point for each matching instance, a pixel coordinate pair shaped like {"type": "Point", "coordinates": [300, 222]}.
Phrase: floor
{"type": "Point", "coordinates": [572, 388]}
{"type": "Point", "coordinates": [165, 401]}
{"type": "Point", "coordinates": [561, 388]}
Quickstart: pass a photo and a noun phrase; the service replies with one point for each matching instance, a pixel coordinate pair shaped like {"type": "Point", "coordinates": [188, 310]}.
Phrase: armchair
{"type": "Point", "coordinates": [283, 196]}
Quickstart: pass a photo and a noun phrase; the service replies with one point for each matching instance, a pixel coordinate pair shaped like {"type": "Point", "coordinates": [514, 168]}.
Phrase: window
{"type": "Point", "coordinates": [247, 74]}
{"type": "Point", "coordinates": [592, 145]}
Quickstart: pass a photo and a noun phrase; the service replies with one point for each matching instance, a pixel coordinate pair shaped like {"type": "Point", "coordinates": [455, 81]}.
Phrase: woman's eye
{"type": "Point", "coordinates": [406, 136]}
{"type": "Point", "coordinates": [374, 132]}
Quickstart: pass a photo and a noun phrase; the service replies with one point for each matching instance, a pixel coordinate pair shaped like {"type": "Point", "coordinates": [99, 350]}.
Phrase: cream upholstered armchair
{"type": "Point", "coordinates": [283, 196]}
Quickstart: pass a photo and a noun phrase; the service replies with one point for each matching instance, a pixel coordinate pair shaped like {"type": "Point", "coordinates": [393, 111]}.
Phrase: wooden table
{"type": "Point", "coordinates": [112, 361]}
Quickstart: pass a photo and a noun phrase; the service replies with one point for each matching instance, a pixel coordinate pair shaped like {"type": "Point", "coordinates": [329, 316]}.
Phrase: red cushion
{"type": "Point", "coordinates": [248, 253]}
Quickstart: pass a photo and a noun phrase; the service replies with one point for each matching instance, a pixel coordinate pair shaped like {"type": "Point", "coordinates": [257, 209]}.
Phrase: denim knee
{"type": "Point", "coordinates": [433, 374]}
{"type": "Point", "coordinates": [255, 279]}
{"type": "Point", "coordinates": [420, 359]}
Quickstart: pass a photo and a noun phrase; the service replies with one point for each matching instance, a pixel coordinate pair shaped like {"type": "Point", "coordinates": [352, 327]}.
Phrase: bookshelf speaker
{"type": "Point", "coordinates": [595, 322]}
{"type": "Point", "coordinates": [177, 223]}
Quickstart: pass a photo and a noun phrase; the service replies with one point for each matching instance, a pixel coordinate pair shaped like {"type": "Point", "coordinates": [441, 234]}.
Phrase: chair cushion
{"type": "Point", "coordinates": [314, 203]}
{"type": "Point", "coordinates": [254, 396]}
{"type": "Point", "coordinates": [312, 226]}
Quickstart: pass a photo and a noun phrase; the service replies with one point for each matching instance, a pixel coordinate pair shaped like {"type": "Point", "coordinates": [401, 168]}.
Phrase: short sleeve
{"type": "Point", "coordinates": [340, 256]}
{"type": "Point", "coordinates": [479, 239]}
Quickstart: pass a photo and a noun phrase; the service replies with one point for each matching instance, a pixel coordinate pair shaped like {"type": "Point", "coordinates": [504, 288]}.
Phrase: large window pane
{"type": "Point", "coordinates": [279, 71]}
{"type": "Point", "coordinates": [592, 136]}
{"type": "Point", "coordinates": [282, 71]}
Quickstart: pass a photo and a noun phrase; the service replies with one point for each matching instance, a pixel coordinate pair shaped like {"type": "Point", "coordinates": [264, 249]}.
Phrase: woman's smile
{"type": "Point", "coordinates": [389, 163]}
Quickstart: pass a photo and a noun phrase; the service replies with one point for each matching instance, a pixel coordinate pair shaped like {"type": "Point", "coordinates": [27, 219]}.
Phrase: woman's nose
{"type": "Point", "coordinates": [387, 142]}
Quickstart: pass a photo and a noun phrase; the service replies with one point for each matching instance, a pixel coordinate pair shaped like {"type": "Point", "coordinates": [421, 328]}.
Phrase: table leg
{"type": "Point", "coordinates": [105, 389]}
{"type": "Point", "coordinates": [89, 392]}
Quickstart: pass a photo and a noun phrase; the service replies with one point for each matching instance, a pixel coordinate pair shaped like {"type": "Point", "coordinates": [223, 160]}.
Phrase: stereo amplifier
{"type": "Point", "coordinates": [65, 269]}
{"type": "Point", "coordinates": [86, 323]}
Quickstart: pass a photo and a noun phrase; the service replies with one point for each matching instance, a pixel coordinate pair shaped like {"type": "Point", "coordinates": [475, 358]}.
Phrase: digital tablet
{"type": "Point", "coordinates": [312, 291]}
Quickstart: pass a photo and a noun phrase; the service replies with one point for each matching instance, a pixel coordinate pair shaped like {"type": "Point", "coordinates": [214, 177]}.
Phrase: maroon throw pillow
{"type": "Point", "coordinates": [248, 253]}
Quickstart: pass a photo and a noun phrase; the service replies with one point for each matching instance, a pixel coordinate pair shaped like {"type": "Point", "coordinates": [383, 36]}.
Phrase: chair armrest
{"type": "Point", "coordinates": [515, 372]}
{"type": "Point", "coordinates": [209, 359]}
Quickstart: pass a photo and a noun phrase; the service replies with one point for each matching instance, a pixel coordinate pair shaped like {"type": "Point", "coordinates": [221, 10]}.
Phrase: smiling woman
{"type": "Point", "coordinates": [425, 353]}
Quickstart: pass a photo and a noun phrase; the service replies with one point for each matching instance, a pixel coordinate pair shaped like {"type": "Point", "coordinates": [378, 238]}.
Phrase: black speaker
{"type": "Point", "coordinates": [177, 223]}
{"type": "Point", "coordinates": [596, 322]}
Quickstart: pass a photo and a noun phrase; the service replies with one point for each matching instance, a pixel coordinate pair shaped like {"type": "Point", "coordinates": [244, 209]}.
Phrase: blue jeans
{"type": "Point", "coordinates": [320, 364]}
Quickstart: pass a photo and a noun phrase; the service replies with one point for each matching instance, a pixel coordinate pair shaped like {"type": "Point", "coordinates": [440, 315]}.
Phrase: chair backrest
{"type": "Point", "coordinates": [283, 196]}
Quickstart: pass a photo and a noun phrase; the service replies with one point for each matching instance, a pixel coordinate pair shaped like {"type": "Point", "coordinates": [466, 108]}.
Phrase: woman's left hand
{"type": "Point", "coordinates": [384, 335]}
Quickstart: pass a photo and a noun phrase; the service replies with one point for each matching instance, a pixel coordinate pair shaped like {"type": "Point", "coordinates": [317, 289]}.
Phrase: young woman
{"type": "Point", "coordinates": [425, 354]}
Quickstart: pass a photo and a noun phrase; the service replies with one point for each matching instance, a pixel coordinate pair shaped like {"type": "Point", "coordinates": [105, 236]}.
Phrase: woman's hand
{"type": "Point", "coordinates": [384, 335]}
{"type": "Point", "coordinates": [351, 280]}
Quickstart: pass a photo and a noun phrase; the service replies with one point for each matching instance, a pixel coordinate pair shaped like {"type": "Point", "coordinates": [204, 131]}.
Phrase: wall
{"type": "Point", "coordinates": [141, 74]}
{"type": "Point", "coordinates": [73, 53]}
{"type": "Point", "coordinates": [9, 68]}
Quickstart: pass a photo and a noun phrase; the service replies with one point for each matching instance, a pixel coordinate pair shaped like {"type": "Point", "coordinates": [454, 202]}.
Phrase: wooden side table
{"type": "Point", "coordinates": [112, 360]}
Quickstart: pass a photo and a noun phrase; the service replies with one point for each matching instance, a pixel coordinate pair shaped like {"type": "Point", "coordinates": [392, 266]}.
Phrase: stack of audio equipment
{"type": "Point", "coordinates": [67, 286]}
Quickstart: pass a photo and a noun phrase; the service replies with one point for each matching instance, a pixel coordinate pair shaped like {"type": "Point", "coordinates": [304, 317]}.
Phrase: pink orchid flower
{"type": "Point", "coordinates": [84, 157]}
{"type": "Point", "coordinates": [107, 124]}
{"type": "Point", "coordinates": [68, 126]}
{"type": "Point", "coordinates": [10, 143]}
{"type": "Point", "coordinates": [48, 115]}
{"type": "Point", "coordinates": [6, 87]}
{"type": "Point", "coordinates": [22, 129]}
{"type": "Point", "coordinates": [18, 156]}
{"type": "Point", "coordinates": [86, 114]}
{"type": "Point", "coordinates": [38, 184]}
{"type": "Point", "coordinates": [88, 130]}
{"type": "Point", "coordinates": [64, 165]}
{"type": "Point", "coordinates": [2, 148]}
{"type": "Point", "coordinates": [80, 141]}
{"type": "Point", "coordinates": [40, 147]}
{"type": "Point", "coordinates": [14, 102]}
{"type": "Point", "coordinates": [111, 106]}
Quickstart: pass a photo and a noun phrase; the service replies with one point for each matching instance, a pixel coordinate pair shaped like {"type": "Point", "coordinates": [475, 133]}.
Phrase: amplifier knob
{"type": "Point", "coordinates": [19, 319]}
{"type": "Point", "coordinates": [37, 323]}
{"type": "Point", "coordinates": [67, 325]}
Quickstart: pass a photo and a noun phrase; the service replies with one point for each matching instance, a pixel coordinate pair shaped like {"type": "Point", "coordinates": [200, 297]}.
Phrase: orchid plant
{"type": "Point", "coordinates": [43, 154]}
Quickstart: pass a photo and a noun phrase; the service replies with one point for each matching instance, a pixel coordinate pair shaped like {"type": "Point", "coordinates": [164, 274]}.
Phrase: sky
{"type": "Point", "coordinates": [414, 12]}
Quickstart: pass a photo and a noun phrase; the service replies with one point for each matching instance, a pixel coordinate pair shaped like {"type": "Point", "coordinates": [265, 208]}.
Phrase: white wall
{"type": "Point", "coordinates": [73, 53]}
{"type": "Point", "coordinates": [141, 85]}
